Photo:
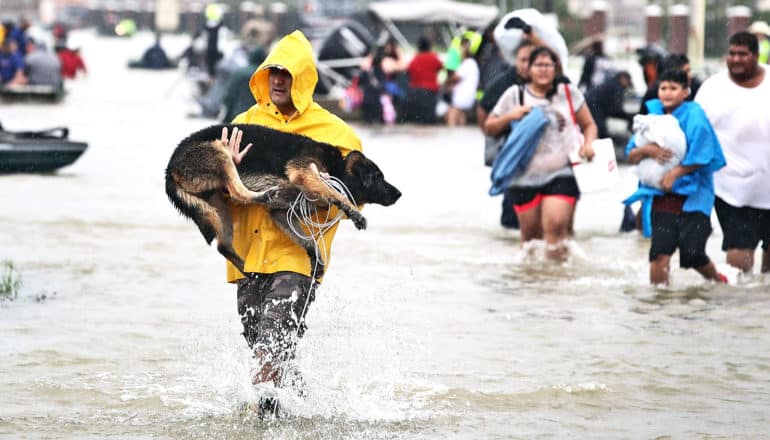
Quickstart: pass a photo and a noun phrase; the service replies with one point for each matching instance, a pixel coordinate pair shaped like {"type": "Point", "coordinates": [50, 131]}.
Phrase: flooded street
{"type": "Point", "coordinates": [430, 324]}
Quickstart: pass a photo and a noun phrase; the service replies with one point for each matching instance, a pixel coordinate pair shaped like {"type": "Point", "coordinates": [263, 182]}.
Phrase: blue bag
{"type": "Point", "coordinates": [518, 150]}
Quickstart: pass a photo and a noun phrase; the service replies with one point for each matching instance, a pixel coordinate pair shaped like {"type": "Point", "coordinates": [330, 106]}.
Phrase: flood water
{"type": "Point", "coordinates": [430, 324]}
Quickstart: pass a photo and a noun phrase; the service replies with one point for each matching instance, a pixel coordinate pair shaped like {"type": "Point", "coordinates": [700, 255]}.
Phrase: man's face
{"type": "Point", "coordinates": [279, 82]}
{"type": "Point", "coordinates": [741, 63]}
{"type": "Point", "coordinates": [522, 61]}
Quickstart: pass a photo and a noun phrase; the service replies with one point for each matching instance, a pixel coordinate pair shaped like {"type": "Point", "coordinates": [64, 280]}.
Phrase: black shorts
{"type": "Point", "coordinates": [688, 231]}
{"type": "Point", "coordinates": [272, 309]}
{"type": "Point", "coordinates": [744, 227]}
{"type": "Point", "coordinates": [527, 197]}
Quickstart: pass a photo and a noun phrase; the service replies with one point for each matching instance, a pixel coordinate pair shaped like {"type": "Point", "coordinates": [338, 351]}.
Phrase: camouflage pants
{"type": "Point", "coordinates": [272, 308]}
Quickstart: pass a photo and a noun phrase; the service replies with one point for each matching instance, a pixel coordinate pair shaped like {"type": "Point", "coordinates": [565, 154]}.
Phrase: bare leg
{"type": "Point", "coordinates": [766, 261]}
{"type": "Point", "coordinates": [453, 116]}
{"type": "Point", "coordinates": [557, 216]}
{"type": "Point", "coordinates": [709, 272]}
{"type": "Point", "coordinates": [742, 259]}
{"type": "Point", "coordinates": [659, 269]}
{"type": "Point", "coordinates": [461, 118]}
{"type": "Point", "coordinates": [529, 222]}
{"type": "Point", "coordinates": [267, 373]}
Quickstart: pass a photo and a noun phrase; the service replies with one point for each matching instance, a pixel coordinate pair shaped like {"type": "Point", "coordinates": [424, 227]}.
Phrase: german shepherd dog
{"type": "Point", "coordinates": [201, 178]}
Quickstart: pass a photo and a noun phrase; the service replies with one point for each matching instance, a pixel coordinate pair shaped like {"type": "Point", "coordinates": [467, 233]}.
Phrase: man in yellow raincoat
{"type": "Point", "coordinates": [273, 302]}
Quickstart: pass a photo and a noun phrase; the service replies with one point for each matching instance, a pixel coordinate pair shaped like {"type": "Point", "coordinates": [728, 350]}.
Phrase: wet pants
{"type": "Point", "coordinates": [272, 308]}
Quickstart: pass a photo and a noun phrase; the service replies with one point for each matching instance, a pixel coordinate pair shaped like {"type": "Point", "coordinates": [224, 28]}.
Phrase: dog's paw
{"type": "Point", "coordinates": [358, 220]}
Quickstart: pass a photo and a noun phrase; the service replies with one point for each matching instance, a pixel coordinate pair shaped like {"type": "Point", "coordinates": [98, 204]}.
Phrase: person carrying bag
{"type": "Point", "coordinates": [545, 192]}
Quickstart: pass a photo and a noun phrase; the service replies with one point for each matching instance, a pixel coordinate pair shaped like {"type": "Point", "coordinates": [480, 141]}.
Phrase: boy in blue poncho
{"type": "Point", "coordinates": [680, 213]}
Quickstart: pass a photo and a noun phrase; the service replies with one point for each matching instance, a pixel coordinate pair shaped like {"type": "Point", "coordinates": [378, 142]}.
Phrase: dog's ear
{"type": "Point", "coordinates": [362, 168]}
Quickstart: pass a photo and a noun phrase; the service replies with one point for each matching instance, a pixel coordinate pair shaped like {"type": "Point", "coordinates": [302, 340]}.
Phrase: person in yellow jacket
{"type": "Point", "coordinates": [273, 299]}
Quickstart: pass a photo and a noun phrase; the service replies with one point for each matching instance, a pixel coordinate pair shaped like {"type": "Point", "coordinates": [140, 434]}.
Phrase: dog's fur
{"type": "Point", "coordinates": [201, 176]}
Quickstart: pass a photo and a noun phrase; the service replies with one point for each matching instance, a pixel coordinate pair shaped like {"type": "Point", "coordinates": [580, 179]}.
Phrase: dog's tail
{"type": "Point", "coordinates": [191, 206]}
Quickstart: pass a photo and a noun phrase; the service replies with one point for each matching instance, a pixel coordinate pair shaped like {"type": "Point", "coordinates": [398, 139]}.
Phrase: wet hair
{"type": "Point", "coordinates": [423, 45]}
{"type": "Point", "coordinates": [557, 73]}
{"type": "Point", "coordinates": [675, 75]}
{"type": "Point", "coordinates": [746, 40]}
{"type": "Point", "coordinates": [675, 61]}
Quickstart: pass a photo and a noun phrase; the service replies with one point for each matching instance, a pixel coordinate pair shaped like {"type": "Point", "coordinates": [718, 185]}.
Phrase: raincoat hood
{"type": "Point", "coordinates": [295, 54]}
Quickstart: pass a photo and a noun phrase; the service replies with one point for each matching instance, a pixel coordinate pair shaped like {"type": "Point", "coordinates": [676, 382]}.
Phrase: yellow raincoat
{"type": "Point", "coordinates": [265, 248]}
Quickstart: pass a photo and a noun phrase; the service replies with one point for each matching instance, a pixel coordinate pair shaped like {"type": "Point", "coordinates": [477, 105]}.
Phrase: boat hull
{"type": "Point", "coordinates": [38, 156]}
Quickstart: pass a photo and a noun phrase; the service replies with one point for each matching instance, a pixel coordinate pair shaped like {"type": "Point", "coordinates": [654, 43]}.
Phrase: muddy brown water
{"type": "Point", "coordinates": [430, 324]}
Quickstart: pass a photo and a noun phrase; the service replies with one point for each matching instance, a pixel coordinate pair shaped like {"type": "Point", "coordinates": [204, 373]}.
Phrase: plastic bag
{"type": "Point", "coordinates": [665, 131]}
{"type": "Point", "coordinates": [508, 33]}
{"type": "Point", "coordinates": [599, 174]}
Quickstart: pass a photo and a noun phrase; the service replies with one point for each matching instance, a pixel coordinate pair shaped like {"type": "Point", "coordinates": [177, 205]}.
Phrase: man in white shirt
{"type": "Point", "coordinates": [736, 103]}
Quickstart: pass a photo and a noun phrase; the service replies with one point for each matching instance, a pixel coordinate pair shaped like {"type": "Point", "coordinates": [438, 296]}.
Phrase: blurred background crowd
{"type": "Point", "coordinates": [382, 61]}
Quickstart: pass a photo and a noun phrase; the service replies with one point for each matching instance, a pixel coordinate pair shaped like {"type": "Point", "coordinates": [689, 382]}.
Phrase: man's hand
{"type": "Point", "coordinates": [233, 143]}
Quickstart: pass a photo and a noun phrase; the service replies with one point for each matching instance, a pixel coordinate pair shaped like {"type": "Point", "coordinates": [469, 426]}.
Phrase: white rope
{"type": "Point", "coordinates": [301, 218]}
{"type": "Point", "coordinates": [304, 212]}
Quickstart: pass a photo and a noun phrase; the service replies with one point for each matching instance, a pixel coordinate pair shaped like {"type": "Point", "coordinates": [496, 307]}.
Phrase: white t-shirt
{"type": "Point", "coordinates": [741, 119]}
{"type": "Point", "coordinates": [464, 92]}
{"type": "Point", "coordinates": [551, 158]}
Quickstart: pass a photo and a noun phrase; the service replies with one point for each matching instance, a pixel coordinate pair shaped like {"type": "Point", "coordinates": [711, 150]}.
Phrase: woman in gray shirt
{"type": "Point", "coordinates": [546, 191]}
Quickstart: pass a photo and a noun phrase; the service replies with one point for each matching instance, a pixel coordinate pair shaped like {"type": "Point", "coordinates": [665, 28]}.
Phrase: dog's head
{"type": "Point", "coordinates": [366, 182]}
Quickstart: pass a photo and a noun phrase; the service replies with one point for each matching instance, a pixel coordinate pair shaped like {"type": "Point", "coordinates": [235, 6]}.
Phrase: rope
{"type": "Point", "coordinates": [303, 213]}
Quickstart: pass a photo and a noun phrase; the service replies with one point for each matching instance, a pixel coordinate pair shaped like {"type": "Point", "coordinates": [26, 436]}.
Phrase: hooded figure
{"type": "Point", "coordinates": [269, 250]}
{"type": "Point", "coordinates": [272, 303]}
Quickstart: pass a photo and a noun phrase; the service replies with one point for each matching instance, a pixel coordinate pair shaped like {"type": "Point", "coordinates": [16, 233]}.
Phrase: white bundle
{"type": "Point", "coordinates": [663, 130]}
{"type": "Point", "coordinates": [509, 39]}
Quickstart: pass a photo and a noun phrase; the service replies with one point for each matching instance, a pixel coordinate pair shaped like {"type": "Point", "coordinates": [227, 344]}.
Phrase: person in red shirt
{"type": "Point", "coordinates": [424, 68]}
{"type": "Point", "coordinates": [71, 62]}
{"type": "Point", "coordinates": [420, 102]}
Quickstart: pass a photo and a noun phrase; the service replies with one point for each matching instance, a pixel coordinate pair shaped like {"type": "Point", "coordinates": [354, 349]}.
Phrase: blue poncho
{"type": "Point", "coordinates": [703, 149]}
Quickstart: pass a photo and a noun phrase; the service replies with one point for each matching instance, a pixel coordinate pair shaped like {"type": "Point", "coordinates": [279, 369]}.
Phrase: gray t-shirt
{"type": "Point", "coordinates": [551, 159]}
{"type": "Point", "coordinates": [43, 68]}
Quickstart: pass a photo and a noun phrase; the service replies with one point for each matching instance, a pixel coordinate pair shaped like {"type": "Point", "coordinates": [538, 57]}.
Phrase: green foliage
{"type": "Point", "coordinates": [10, 281]}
